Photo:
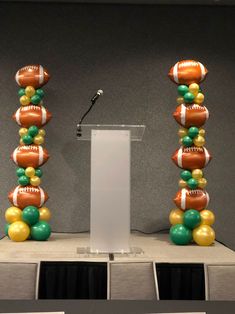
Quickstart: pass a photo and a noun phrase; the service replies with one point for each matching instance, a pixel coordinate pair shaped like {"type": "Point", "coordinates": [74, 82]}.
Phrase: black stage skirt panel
{"type": "Point", "coordinates": [72, 280]}
{"type": "Point", "coordinates": [88, 280]}
{"type": "Point", "coordinates": [181, 281]}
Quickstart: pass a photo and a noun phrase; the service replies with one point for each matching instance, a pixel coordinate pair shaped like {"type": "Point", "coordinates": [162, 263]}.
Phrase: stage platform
{"type": "Point", "coordinates": [155, 247]}
{"type": "Point", "coordinates": [20, 265]}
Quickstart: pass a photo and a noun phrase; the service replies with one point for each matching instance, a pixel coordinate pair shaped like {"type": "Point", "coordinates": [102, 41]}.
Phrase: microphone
{"type": "Point", "coordinates": [97, 95]}
{"type": "Point", "coordinates": [93, 101]}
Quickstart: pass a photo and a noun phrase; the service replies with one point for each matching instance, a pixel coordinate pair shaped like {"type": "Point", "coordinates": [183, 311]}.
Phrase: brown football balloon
{"type": "Point", "coordinates": [32, 75]}
{"type": "Point", "coordinates": [192, 115]}
{"type": "Point", "coordinates": [30, 156]}
{"type": "Point", "coordinates": [188, 72]}
{"type": "Point", "coordinates": [27, 195]}
{"type": "Point", "coordinates": [29, 115]}
{"type": "Point", "coordinates": [192, 199]}
{"type": "Point", "coordinates": [191, 157]}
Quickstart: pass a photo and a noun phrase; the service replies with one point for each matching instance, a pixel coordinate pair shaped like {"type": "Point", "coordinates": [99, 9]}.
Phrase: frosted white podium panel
{"type": "Point", "coordinates": [110, 190]}
{"type": "Point", "coordinates": [110, 185]}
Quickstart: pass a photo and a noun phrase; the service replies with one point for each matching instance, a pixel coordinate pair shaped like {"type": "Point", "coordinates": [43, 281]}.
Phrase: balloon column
{"type": "Point", "coordinates": [191, 220]}
{"type": "Point", "coordinates": [27, 217]}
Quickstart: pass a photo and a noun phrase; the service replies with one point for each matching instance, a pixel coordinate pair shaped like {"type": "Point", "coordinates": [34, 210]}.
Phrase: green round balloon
{"type": "Point", "coordinates": [38, 172]}
{"type": "Point", "coordinates": [6, 228]}
{"type": "Point", "coordinates": [35, 99]}
{"type": "Point", "coordinates": [193, 131]}
{"type": "Point", "coordinates": [27, 139]}
{"type": "Point", "coordinates": [186, 175]}
{"type": "Point", "coordinates": [40, 92]}
{"type": "Point", "coordinates": [192, 183]}
{"type": "Point", "coordinates": [23, 180]}
{"type": "Point", "coordinates": [41, 231]}
{"type": "Point", "coordinates": [21, 92]}
{"type": "Point", "coordinates": [180, 234]}
{"type": "Point", "coordinates": [182, 89]}
{"type": "Point", "coordinates": [187, 141]}
{"type": "Point", "coordinates": [188, 97]}
{"type": "Point", "coordinates": [20, 172]}
{"type": "Point", "coordinates": [30, 215]}
{"type": "Point", "coordinates": [33, 130]}
{"type": "Point", "coordinates": [191, 218]}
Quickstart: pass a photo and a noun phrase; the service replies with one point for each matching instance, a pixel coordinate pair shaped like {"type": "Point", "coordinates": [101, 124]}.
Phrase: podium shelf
{"type": "Point", "coordinates": [84, 131]}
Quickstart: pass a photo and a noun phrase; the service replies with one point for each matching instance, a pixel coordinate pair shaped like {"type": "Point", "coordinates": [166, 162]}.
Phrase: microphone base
{"type": "Point", "coordinates": [79, 131]}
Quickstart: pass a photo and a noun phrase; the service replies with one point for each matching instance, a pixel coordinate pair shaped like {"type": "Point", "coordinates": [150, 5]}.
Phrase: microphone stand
{"type": "Point", "coordinates": [93, 101]}
{"type": "Point", "coordinates": [79, 127]}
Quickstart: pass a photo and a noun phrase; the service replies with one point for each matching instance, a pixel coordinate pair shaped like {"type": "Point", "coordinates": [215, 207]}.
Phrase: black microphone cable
{"type": "Point", "coordinates": [93, 101]}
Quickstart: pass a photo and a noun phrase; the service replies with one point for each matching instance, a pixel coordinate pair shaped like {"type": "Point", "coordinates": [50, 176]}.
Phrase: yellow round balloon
{"type": "Point", "coordinates": [18, 231]}
{"type": "Point", "coordinates": [194, 88]}
{"type": "Point", "coordinates": [29, 91]}
{"type": "Point", "coordinates": [13, 214]}
{"type": "Point", "coordinates": [35, 181]}
{"type": "Point", "coordinates": [42, 132]}
{"type": "Point", "coordinates": [197, 174]}
{"type": "Point", "coordinates": [176, 216]}
{"type": "Point", "coordinates": [202, 183]}
{"type": "Point", "coordinates": [182, 183]}
{"type": "Point", "coordinates": [199, 141]}
{"type": "Point", "coordinates": [202, 132]}
{"type": "Point", "coordinates": [204, 235]}
{"type": "Point", "coordinates": [24, 100]}
{"type": "Point", "coordinates": [38, 139]}
{"type": "Point", "coordinates": [182, 132]}
{"type": "Point", "coordinates": [207, 217]}
{"type": "Point", "coordinates": [180, 100]}
{"type": "Point", "coordinates": [181, 141]}
{"type": "Point", "coordinates": [199, 98]}
{"type": "Point", "coordinates": [22, 142]}
{"type": "Point", "coordinates": [45, 213]}
{"type": "Point", "coordinates": [23, 131]}
{"type": "Point", "coordinates": [30, 172]}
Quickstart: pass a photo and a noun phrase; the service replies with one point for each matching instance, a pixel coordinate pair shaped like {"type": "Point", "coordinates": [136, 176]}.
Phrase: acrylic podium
{"type": "Point", "coordinates": [110, 184]}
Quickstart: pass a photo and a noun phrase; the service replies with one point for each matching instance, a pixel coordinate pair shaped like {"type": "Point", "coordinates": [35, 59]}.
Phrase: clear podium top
{"type": "Point", "coordinates": [84, 130]}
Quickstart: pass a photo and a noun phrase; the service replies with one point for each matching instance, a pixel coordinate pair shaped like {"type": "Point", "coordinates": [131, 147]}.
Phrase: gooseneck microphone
{"type": "Point", "coordinates": [97, 95]}
{"type": "Point", "coordinates": [93, 101]}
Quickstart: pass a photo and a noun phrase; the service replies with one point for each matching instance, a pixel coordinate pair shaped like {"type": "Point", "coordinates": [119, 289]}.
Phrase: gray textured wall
{"type": "Point", "coordinates": [127, 51]}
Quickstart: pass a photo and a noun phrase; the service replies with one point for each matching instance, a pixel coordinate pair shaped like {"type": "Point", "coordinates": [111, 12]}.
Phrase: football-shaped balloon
{"type": "Point", "coordinates": [26, 116]}
{"type": "Point", "coordinates": [32, 75]}
{"type": "Point", "coordinates": [30, 156]}
{"type": "Point", "coordinates": [192, 199]}
{"type": "Point", "coordinates": [187, 72]}
{"type": "Point", "coordinates": [192, 115]}
{"type": "Point", "coordinates": [191, 157]}
{"type": "Point", "coordinates": [27, 196]}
